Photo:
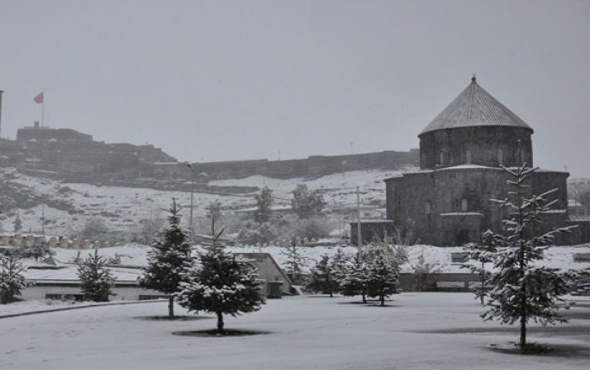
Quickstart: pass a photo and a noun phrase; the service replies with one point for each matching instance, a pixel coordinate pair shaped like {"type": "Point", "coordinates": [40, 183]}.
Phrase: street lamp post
{"type": "Point", "coordinates": [191, 229]}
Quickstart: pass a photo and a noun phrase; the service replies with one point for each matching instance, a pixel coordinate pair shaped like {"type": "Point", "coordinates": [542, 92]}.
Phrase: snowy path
{"type": "Point", "coordinates": [306, 333]}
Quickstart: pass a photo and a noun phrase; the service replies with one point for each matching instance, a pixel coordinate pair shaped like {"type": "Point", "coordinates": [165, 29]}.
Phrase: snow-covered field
{"type": "Point", "coordinates": [415, 331]}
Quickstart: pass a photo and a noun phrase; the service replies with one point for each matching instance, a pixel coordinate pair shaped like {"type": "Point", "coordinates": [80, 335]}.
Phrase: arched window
{"type": "Point", "coordinates": [427, 208]}
{"type": "Point", "coordinates": [442, 158]}
{"type": "Point", "coordinates": [463, 205]}
{"type": "Point", "coordinates": [468, 157]}
{"type": "Point", "coordinates": [500, 156]}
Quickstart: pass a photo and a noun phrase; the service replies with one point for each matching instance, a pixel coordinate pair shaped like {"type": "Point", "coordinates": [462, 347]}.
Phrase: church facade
{"type": "Point", "coordinates": [448, 202]}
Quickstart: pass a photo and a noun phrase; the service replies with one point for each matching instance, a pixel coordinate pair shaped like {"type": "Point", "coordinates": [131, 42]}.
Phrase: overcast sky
{"type": "Point", "coordinates": [245, 79]}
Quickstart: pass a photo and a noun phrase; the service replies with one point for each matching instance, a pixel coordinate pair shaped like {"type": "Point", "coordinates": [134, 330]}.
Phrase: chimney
{"type": "Point", "coordinates": [36, 124]}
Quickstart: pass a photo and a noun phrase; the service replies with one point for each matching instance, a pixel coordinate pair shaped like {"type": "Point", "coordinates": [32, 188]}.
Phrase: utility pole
{"type": "Point", "coordinates": [191, 229]}
{"type": "Point", "coordinates": [359, 239]}
{"type": "Point", "coordinates": [43, 219]}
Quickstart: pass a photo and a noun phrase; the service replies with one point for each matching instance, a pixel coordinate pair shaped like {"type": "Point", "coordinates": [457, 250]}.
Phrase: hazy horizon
{"type": "Point", "coordinates": [255, 79]}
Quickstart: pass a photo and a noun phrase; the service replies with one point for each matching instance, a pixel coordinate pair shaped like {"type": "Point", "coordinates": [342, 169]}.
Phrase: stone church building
{"type": "Point", "coordinates": [448, 202]}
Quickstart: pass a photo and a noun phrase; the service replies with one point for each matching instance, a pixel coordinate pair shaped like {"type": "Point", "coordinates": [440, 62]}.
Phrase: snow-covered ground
{"type": "Point", "coordinates": [415, 331]}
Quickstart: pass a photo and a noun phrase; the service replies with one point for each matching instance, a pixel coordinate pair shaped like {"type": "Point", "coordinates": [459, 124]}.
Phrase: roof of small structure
{"type": "Point", "coordinates": [475, 107]}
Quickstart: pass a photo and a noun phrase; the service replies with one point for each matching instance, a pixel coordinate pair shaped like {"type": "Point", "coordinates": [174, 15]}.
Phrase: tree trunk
{"type": "Point", "coordinates": [171, 307]}
{"type": "Point", "coordinates": [522, 332]}
{"type": "Point", "coordinates": [219, 322]}
{"type": "Point", "coordinates": [364, 297]}
{"type": "Point", "coordinates": [483, 282]}
{"type": "Point", "coordinates": [382, 299]}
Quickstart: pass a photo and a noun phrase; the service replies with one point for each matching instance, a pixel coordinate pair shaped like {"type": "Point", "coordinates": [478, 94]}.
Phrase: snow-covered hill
{"type": "Point", "coordinates": [123, 209]}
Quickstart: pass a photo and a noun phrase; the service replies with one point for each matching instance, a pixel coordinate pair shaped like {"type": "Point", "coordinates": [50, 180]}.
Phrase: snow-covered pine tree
{"type": "Point", "coordinates": [322, 277]}
{"type": "Point", "coordinates": [11, 280]}
{"type": "Point", "coordinates": [294, 263]}
{"type": "Point", "coordinates": [167, 259]}
{"type": "Point", "coordinates": [483, 253]}
{"type": "Point", "coordinates": [382, 277]}
{"type": "Point", "coordinates": [521, 290]}
{"type": "Point", "coordinates": [220, 283]}
{"type": "Point", "coordinates": [95, 278]}
{"type": "Point", "coordinates": [339, 263]}
{"type": "Point", "coordinates": [355, 281]}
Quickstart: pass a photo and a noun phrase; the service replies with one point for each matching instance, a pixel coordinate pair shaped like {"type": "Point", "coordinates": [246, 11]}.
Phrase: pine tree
{"type": "Point", "coordinates": [355, 281]}
{"type": "Point", "coordinates": [483, 253]}
{"type": "Point", "coordinates": [95, 278]}
{"type": "Point", "coordinates": [294, 263]}
{"type": "Point", "coordinates": [263, 203]}
{"type": "Point", "coordinates": [339, 262]}
{"type": "Point", "coordinates": [522, 291]}
{"type": "Point", "coordinates": [11, 280]}
{"type": "Point", "coordinates": [167, 259]}
{"type": "Point", "coordinates": [322, 277]}
{"type": "Point", "coordinates": [382, 278]}
{"type": "Point", "coordinates": [220, 283]}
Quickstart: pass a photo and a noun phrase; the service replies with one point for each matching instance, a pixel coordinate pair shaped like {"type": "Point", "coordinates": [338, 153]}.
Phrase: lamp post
{"type": "Point", "coordinates": [191, 229]}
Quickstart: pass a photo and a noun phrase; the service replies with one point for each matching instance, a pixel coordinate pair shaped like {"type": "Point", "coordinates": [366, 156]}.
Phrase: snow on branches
{"type": "Point", "coordinates": [521, 290]}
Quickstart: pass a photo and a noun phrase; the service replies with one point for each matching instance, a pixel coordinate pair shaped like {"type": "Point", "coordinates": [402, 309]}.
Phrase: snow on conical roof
{"type": "Point", "coordinates": [475, 107]}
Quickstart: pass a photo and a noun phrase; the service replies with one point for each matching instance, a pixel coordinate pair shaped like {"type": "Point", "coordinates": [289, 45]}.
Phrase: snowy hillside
{"type": "Point", "coordinates": [123, 209]}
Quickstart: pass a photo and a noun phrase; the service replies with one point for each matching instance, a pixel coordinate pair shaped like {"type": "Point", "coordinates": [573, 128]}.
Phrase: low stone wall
{"type": "Point", "coordinates": [455, 282]}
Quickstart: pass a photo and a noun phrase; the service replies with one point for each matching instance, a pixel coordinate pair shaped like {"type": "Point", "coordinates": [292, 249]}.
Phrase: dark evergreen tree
{"type": "Point", "coordinates": [220, 283]}
{"type": "Point", "coordinates": [167, 259]}
{"type": "Point", "coordinates": [307, 204]}
{"type": "Point", "coordinates": [322, 278]}
{"type": "Point", "coordinates": [263, 212]}
{"type": "Point", "coordinates": [521, 290]}
{"type": "Point", "coordinates": [382, 278]}
{"type": "Point", "coordinates": [95, 278]}
{"type": "Point", "coordinates": [12, 282]}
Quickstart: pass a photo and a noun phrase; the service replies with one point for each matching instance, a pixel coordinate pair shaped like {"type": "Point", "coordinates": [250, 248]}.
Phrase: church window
{"type": "Point", "coordinates": [427, 208]}
{"type": "Point", "coordinates": [442, 158]}
{"type": "Point", "coordinates": [468, 157]}
{"type": "Point", "coordinates": [463, 205]}
{"type": "Point", "coordinates": [500, 156]}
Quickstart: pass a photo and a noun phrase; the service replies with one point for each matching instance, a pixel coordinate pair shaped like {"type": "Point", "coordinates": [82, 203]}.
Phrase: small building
{"type": "Point", "coordinates": [60, 281]}
{"type": "Point", "coordinates": [268, 271]}
{"type": "Point", "coordinates": [372, 231]}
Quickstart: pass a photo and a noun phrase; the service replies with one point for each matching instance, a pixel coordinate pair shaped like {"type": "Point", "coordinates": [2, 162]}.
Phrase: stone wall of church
{"type": "Point", "coordinates": [482, 145]}
{"type": "Point", "coordinates": [453, 206]}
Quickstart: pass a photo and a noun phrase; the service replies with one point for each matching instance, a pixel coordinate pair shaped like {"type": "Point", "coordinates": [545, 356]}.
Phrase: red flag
{"type": "Point", "coordinates": [39, 98]}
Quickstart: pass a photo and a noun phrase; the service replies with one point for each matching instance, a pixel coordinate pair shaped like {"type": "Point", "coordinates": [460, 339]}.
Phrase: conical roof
{"type": "Point", "coordinates": [475, 107]}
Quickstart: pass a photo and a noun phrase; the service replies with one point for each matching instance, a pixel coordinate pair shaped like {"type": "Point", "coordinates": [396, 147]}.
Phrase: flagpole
{"type": "Point", "coordinates": [1, 92]}
{"type": "Point", "coordinates": [43, 109]}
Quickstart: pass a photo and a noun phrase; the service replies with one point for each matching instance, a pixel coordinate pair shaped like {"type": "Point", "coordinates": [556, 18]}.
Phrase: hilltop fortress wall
{"type": "Point", "coordinates": [75, 157]}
